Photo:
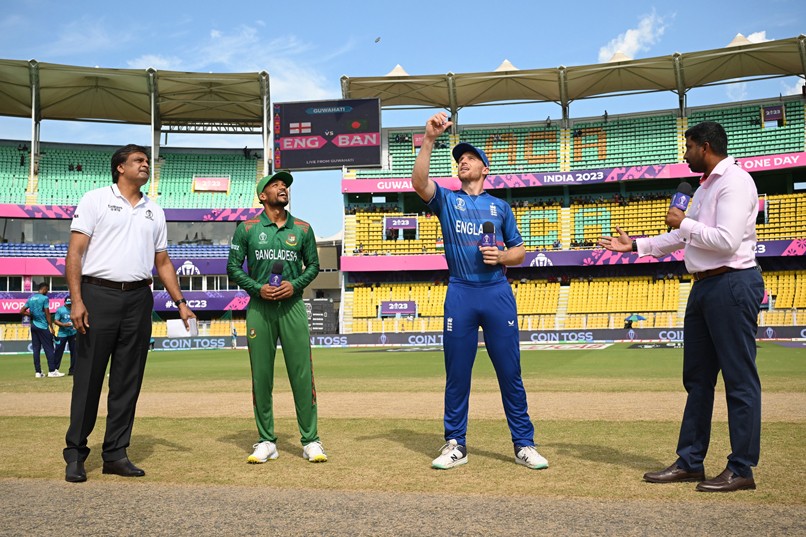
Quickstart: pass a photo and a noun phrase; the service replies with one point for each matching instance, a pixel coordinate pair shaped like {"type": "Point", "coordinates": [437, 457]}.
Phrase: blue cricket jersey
{"type": "Point", "coordinates": [37, 304]}
{"type": "Point", "coordinates": [63, 316]}
{"type": "Point", "coordinates": [461, 217]}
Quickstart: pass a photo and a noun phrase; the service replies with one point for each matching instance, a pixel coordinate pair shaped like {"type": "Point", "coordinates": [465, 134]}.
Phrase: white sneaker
{"type": "Point", "coordinates": [452, 454]}
{"type": "Point", "coordinates": [264, 451]}
{"type": "Point", "coordinates": [55, 373]}
{"type": "Point", "coordinates": [314, 452]}
{"type": "Point", "coordinates": [529, 457]}
{"type": "Point", "coordinates": [39, 375]}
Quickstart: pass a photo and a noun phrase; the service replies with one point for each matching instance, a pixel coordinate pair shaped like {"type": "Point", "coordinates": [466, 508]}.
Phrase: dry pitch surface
{"type": "Point", "coordinates": [452, 502]}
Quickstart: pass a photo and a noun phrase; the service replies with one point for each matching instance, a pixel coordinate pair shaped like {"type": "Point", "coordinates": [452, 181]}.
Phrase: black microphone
{"type": "Point", "coordinates": [488, 234]}
{"type": "Point", "coordinates": [681, 198]}
{"type": "Point", "coordinates": [276, 277]}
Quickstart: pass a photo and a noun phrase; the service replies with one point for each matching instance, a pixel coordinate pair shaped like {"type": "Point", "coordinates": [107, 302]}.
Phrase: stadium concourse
{"type": "Point", "coordinates": [567, 186]}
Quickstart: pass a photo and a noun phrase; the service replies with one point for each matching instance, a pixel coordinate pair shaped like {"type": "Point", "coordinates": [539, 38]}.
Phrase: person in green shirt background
{"type": "Point", "coordinates": [281, 260]}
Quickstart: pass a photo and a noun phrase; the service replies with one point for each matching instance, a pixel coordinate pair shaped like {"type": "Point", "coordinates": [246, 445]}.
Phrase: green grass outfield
{"type": "Point", "coordinates": [603, 418]}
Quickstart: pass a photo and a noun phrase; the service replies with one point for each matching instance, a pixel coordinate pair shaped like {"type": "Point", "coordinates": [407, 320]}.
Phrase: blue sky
{"type": "Point", "coordinates": [307, 46]}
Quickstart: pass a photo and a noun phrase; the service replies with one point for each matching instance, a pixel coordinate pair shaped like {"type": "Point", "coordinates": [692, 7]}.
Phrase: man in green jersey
{"type": "Point", "coordinates": [281, 259]}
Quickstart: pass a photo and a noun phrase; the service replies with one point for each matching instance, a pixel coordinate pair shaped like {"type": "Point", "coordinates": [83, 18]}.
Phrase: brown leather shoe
{"type": "Point", "coordinates": [727, 481]}
{"type": "Point", "coordinates": [673, 474]}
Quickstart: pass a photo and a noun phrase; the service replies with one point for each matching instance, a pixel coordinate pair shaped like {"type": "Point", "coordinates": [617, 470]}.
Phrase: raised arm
{"type": "Point", "coordinates": [422, 184]}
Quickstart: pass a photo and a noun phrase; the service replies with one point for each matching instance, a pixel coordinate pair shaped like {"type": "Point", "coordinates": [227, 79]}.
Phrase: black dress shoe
{"type": "Point", "coordinates": [122, 467]}
{"type": "Point", "coordinates": [75, 472]}
{"type": "Point", "coordinates": [727, 481]}
{"type": "Point", "coordinates": [673, 474]}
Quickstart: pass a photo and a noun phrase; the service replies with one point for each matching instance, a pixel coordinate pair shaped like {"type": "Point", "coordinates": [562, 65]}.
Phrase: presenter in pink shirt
{"type": "Point", "coordinates": [718, 236]}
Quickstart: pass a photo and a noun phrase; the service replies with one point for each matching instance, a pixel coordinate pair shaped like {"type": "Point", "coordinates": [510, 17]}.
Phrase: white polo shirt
{"type": "Point", "coordinates": [123, 239]}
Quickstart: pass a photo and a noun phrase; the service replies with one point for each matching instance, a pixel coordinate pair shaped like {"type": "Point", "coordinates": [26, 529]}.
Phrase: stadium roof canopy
{"type": "Point", "coordinates": [170, 101]}
{"type": "Point", "coordinates": [677, 73]}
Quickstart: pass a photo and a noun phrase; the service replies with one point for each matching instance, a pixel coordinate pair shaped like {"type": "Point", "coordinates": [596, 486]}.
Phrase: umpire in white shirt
{"type": "Point", "coordinates": [117, 236]}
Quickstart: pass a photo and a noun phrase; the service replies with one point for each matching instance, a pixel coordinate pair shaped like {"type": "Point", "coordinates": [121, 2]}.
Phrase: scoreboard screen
{"type": "Point", "coordinates": [319, 135]}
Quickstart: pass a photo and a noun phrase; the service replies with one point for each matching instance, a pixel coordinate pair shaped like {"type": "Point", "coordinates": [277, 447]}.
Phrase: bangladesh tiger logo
{"type": "Point", "coordinates": [291, 240]}
{"type": "Point", "coordinates": [252, 333]}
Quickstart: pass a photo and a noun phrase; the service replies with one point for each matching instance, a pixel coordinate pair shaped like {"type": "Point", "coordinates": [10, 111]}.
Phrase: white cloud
{"type": "Point", "coordinates": [291, 62]}
{"type": "Point", "coordinates": [758, 37]}
{"type": "Point", "coordinates": [156, 61]}
{"type": "Point", "coordinates": [737, 92]}
{"type": "Point", "coordinates": [793, 87]}
{"type": "Point", "coordinates": [649, 31]}
{"type": "Point", "coordinates": [82, 37]}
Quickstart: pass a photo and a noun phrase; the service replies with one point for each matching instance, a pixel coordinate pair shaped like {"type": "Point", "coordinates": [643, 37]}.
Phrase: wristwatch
{"type": "Point", "coordinates": [634, 246]}
{"type": "Point", "coordinates": [180, 301]}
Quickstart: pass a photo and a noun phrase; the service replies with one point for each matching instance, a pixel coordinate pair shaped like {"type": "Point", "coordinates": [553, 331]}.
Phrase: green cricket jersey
{"type": "Point", "coordinates": [262, 243]}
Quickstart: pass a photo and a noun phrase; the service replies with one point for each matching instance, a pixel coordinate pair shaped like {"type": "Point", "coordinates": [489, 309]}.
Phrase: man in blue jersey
{"type": "Point", "coordinates": [474, 226]}
{"type": "Point", "coordinates": [38, 307]}
{"type": "Point", "coordinates": [66, 336]}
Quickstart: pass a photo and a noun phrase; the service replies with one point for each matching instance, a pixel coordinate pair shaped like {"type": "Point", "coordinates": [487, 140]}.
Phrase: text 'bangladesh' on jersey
{"type": "Point", "coordinates": [262, 244]}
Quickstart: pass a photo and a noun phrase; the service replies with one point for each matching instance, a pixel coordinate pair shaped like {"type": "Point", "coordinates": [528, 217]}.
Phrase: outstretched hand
{"type": "Point", "coordinates": [621, 243]}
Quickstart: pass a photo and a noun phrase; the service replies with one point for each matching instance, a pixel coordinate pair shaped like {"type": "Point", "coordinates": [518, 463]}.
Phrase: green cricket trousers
{"type": "Point", "coordinates": [286, 320]}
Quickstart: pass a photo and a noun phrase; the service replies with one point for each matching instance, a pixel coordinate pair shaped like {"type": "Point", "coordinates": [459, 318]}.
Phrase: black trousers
{"type": "Point", "coordinates": [120, 328]}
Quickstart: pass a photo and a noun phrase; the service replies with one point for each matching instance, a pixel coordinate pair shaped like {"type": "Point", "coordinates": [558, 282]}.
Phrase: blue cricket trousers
{"type": "Point", "coordinates": [491, 306]}
{"type": "Point", "coordinates": [42, 339]}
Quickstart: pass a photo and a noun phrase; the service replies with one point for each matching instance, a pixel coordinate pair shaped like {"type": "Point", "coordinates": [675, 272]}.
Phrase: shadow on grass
{"type": "Point", "coordinates": [607, 455]}
{"type": "Point", "coordinates": [246, 438]}
{"type": "Point", "coordinates": [143, 447]}
{"type": "Point", "coordinates": [427, 444]}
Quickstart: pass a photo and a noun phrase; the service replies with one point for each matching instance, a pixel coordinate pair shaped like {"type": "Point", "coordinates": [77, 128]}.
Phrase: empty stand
{"type": "Point", "coordinates": [177, 171]}
{"type": "Point", "coordinates": [747, 136]}
{"type": "Point", "coordinates": [13, 177]}
{"type": "Point", "coordinates": [624, 141]}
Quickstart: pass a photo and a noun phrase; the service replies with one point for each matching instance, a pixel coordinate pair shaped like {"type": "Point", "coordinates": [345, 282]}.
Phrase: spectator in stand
{"type": "Point", "coordinates": [71, 168]}
{"type": "Point", "coordinates": [79, 168]}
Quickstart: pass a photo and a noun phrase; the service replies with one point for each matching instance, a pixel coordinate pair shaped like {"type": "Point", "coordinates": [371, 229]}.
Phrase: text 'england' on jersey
{"type": "Point", "coordinates": [461, 217]}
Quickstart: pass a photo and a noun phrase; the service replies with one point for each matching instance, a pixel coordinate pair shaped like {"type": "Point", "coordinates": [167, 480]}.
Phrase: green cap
{"type": "Point", "coordinates": [284, 176]}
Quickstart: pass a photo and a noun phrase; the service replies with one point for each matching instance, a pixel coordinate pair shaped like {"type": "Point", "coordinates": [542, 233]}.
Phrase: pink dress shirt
{"type": "Point", "coordinates": [720, 225]}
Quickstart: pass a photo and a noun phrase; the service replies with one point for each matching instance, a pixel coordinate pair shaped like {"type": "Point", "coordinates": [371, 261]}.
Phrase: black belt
{"type": "Point", "coordinates": [121, 286]}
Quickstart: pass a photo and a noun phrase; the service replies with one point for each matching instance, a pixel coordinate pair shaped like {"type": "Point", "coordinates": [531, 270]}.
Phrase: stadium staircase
{"type": "Point", "coordinates": [347, 312]}
{"type": "Point", "coordinates": [682, 300]}
{"type": "Point", "coordinates": [153, 187]}
{"type": "Point", "coordinates": [565, 152]}
{"type": "Point", "coordinates": [31, 193]}
{"type": "Point", "coordinates": [682, 127]}
{"type": "Point", "coordinates": [348, 241]}
{"type": "Point", "coordinates": [566, 236]}
{"type": "Point", "coordinates": [562, 307]}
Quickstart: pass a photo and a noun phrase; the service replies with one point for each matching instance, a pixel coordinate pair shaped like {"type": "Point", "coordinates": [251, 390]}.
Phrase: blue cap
{"type": "Point", "coordinates": [463, 148]}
